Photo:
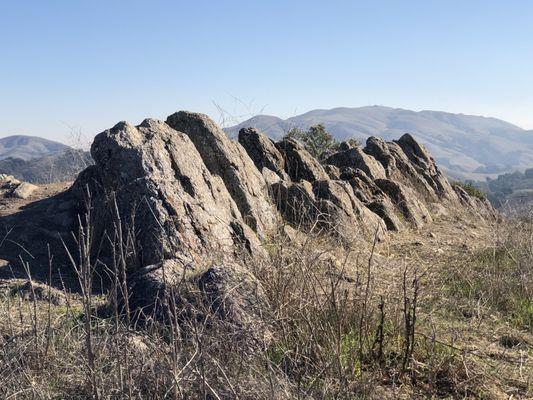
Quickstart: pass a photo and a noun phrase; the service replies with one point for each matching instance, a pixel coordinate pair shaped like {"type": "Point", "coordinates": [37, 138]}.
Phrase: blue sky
{"type": "Point", "coordinates": [89, 64]}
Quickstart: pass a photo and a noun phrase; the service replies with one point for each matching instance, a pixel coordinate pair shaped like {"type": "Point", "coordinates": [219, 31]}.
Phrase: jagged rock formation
{"type": "Point", "coordinates": [180, 194]}
{"type": "Point", "coordinates": [164, 191]}
{"type": "Point", "coordinates": [229, 161]}
{"type": "Point", "coordinates": [355, 157]}
{"type": "Point", "coordinates": [299, 164]}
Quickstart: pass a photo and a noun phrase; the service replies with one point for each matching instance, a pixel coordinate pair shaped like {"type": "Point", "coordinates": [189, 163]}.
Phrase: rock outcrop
{"type": "Point", "coordinates": [152, 180]}
{"type": "Point", "coordinates": [182, 197]}
{"type": "Point", "coordinates": [194, 192]}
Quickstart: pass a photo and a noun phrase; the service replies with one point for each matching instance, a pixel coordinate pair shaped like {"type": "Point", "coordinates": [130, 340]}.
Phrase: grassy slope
{"type": "Point", "coordinates": [339, 324]}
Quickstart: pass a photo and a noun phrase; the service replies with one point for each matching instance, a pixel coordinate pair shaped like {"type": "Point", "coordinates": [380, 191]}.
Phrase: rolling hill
{"type": "Point", "coordinates": [37, 160]}
{"type": "Point", "coordinates": [60, 167]}
{"type": "Point", "coordinates": [28, 147]}
{"type": "Point", "coordinates": [466, 146]}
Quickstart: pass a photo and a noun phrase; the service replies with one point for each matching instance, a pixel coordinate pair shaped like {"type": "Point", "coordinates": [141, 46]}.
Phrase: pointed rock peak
{"type": "Point", "coordinates": [412, 148]}
{"type": "Point", "coordinates": [122, 125]}
{"type": "Point", "coordinates": [262, 151]}
{"type": "Point", "coordinates": [150, 123]}
{"type": "Point", "coordinates": [299, 163]}
{"type": "Point", "coordinates": [193, 123]}
{"type": "Point", "coordinates": [229, 161]}
{"type": "Point", "coordinates": [158, 180]}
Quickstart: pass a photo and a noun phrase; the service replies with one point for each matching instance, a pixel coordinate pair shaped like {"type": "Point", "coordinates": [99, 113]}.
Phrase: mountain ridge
{"type": "Point", "coordinates": [466, 146]}
{"type": "Point", "coordinates": [27, 147]}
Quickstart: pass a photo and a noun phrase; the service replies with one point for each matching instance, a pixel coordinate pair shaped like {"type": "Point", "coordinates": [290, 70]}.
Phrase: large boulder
{"type": "Point", "coordinates": [226, 295]}
{"type": "Point", "coordinates": [262, 151]}
{"type": "Point", "coordinates": [229, 161]}
{"type": "Point", "coordinates": [299, 164]}
{"type": "Point", "coordinates": [152, 182]}
{"type": "Point", "coordinates": [233, 294]}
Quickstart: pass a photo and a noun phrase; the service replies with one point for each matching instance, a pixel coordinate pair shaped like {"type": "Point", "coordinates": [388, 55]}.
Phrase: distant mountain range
{"type": "Point", "coordinates": [28, 147]}
{"type": "Point", "coordinates": [465, 146]}
{"type": "Point", "coordinates": [37, 160]}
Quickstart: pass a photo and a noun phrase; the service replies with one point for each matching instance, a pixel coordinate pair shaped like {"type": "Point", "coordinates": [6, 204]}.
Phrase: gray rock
{"type": "Point", "coordinates": [164, 192]}
{"type": "Point", "coordinates": [405, 199]}
{"type": "Point", "coordinates": [364, 187]}
{"type": "Point", "coordinates": [356, 158]}
{"type": "Point", "coordinates": [296, 202]}
{"type": "Point", "coordinates": [24, 190]}
{"type": "Point", "coordinates": [351, 218]}
{"type": "Point", "coordinates": [332, 171]}
{"type": "Point", "coordinates": [236, 296]}
{"type": "Point", "coordinates": [262, 151]}
{"type": "Point", "coordinates": [299, 164]}
{"type": "Point", "coordinates": [408, 162]}
{"type": "Point", "coordinates": [229, 161]}
{"type": "Point", "coordinates": [426, 166]}
{"type": "Point", "coordinates": [386, 211]}
{"type": "Point", "coordinates": [226, 294]}
{"type": "Point", "coordinates": [481, 207]}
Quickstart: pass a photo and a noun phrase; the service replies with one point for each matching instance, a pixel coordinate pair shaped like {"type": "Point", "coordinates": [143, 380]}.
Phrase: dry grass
{"type": "Point", "coordinates": [410, 317]}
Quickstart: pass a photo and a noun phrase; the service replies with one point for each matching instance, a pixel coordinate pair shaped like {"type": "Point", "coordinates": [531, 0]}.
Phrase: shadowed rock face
{"type": "Point", "coordinates": [355, 157]}
{"type": "Point", "coordinates": [351, 217]}
{"type": "Point", "coordinates": [262, 151]}
{"type": "Point", "coordinates": [227, 292]}
{"type": "Point", "coordinates": [299, 164]}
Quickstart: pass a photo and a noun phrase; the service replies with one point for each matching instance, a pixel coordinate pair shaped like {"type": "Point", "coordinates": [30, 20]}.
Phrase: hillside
{"type": "Point", "coordinates": [465, 146]}
{"type": "Point", "coordinates": [510, 192]}
{"type": "Point", "coordinates": [28, 147]}
{"type": "Point", "coordinates": [62, 166]}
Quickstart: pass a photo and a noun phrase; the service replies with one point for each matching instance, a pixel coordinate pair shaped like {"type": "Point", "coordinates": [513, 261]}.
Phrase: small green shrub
{"type": "Point", "coordinates": [317, 140]}
{"type": "Point", "coordinates": [471, 189]}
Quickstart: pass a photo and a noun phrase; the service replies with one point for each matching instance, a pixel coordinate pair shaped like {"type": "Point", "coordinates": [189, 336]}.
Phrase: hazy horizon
{"type": "Point", "coordinates": [86, 66]}
{"type": "Point", "coordinates": [229, 122]}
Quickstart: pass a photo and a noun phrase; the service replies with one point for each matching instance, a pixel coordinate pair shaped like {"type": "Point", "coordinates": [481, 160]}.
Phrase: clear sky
{"type": "Point", "coordinates": [86, 65]}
